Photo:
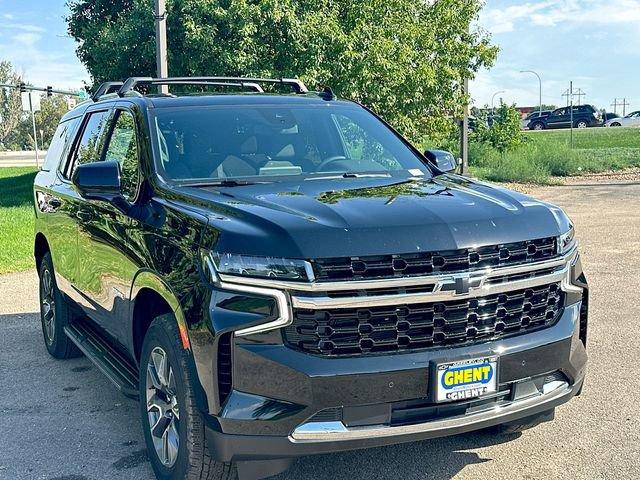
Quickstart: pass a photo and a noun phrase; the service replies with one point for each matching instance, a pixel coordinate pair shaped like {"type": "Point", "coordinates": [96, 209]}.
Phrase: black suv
{"type": "Point", "coordinates": [583, 116]}
{"type": "Point", "coordinates": [276, 274]}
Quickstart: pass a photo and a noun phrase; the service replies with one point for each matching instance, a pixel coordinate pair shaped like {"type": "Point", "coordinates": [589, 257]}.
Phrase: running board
{"type": "Point", "coordinates": [109, 361]}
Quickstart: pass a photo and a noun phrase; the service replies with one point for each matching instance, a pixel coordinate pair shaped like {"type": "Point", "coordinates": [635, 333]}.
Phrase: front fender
{"type": "Point", "coordinates": [148, 279]}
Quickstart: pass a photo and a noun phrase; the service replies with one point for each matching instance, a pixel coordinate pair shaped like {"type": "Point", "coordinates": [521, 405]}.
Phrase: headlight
{"type": "Point", "coordinates": [567, 241]}
{"type": "Point", "coordinates": [263, 267]}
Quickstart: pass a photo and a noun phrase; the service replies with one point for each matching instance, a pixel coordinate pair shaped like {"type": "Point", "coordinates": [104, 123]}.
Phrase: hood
{"type": "Point", "coordinates": [323, 218]}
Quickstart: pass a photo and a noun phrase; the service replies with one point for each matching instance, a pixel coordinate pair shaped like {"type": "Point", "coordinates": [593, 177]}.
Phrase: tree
{"type": "Point", "coordinates": [505, 132]}
{"type": "Point", "coordinates": [405, 59]}
{"type": "Point", "coordinates": [10, 105]}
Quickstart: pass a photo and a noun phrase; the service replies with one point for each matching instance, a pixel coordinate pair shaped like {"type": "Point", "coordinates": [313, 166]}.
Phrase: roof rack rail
{"type": "Point", "coordinates": [105, 88]}
{"type": "Point", "coordinates": [132, 82]}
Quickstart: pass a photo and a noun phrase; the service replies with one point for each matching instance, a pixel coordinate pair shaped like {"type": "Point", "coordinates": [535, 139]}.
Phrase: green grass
{"type": "Point", "coordinates": [547, 154]}
{"type": "Point", "coordinates": [16, 219]}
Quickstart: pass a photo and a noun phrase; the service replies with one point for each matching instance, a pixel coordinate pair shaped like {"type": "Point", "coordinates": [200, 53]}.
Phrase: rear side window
{"type": "Point", "coordinates": [90, 145]}
{"type": "Point", "coordinates": [59, 143]}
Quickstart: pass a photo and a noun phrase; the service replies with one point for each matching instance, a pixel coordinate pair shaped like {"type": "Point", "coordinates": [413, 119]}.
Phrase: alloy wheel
{"type": "Point", "coordinates": [582, 124]}
{"type": "Point", "coordinates": [47, 306]}
{"type": "Point", "coordinates": [162, 407]}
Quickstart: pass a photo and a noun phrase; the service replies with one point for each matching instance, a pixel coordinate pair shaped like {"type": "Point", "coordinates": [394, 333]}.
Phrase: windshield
{"type": "Point", "coordinates": [266, 143]}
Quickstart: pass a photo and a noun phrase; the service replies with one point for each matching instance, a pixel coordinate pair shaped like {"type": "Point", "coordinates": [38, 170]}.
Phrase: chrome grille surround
{"type": "Point", "coordinates": [400, 291]}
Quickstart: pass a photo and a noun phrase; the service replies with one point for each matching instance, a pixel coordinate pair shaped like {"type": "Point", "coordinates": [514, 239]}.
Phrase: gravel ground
{"type": "Point", "coordinates": [62, 420]}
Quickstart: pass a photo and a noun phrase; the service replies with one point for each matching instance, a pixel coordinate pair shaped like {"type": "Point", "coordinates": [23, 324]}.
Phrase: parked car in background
{"type": "Point", "coordinates": [533, 116]}
{"type": "Point", "coordinates": [631, 120]}
{"type": "Point", "coordinates": [583, 116]}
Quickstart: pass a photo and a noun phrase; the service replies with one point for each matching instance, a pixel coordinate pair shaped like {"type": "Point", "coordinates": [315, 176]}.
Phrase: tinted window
{"type": "Point", "coordinates": [272, 141]}
{"type": "Point", "coordinates": [59, 144]}
{"type": "Point", "coordinates": [89, 147]}
{"type": "Point", "coordinates": [123, 148]}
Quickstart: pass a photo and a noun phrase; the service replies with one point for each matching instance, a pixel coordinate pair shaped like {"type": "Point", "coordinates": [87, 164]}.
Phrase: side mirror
{"type": "Point", "coordinates": [444, 161]}
{"type": "Point", "coordinates": [98, 180]}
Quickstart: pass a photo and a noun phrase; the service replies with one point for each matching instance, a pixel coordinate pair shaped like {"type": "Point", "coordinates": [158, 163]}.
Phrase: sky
{"type": "Point", "coordinates": [595, 43]}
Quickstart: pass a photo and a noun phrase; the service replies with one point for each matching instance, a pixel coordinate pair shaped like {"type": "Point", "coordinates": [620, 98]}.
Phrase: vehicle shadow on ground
{"type": "Point", "coordinates": [437, 459]}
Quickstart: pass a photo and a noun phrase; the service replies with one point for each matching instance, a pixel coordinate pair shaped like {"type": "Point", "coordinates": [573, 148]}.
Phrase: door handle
{"type": "Point", "coordinates": [84, 215]}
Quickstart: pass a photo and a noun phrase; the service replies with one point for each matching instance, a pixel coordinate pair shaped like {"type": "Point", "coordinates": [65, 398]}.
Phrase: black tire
{"type": "Point", "coordinates": [616, 124]}
{"type": "Point", "coordinates": [524, 423]}
{"type": "Point", "coordinates": [537, 126]}
{"type": "Point", "coordinates": [55, 313]}
{"type": "Point", "coordinates": [582, 124]}
{"type": "Point", "coordinates": [193, 459]}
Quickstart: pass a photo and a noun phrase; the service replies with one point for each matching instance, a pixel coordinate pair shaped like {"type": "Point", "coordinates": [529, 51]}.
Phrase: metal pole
{"type": "Point", "coordinates": [539, 87]}
{"type": "Point", "coordinates": [35, 134]}
{"type": "Point", "coordinates": [493, 97]}
{"type": "Point", "coordinates": [571, 107]}
{"type": "Point", "coordinates": [464, 134]}
{"type": "Point", "coordinates": [161, 43]}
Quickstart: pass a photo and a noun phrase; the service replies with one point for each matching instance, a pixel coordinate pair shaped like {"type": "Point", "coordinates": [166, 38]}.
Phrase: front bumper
{"type": "Point", "coordinates": [285, 402]}
{"type": "Point", "coordinates": [289, 388]}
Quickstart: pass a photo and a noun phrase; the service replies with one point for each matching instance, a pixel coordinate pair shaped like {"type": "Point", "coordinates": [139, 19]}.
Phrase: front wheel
{"type": "Point", "coordinates": [172, 424]}
{"type": "Point", "coordinates": [615, 124]}
{"type": "Point", "coordinates": [55, 313]}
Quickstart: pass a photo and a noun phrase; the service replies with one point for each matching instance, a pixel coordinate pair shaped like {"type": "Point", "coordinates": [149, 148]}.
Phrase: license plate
{"type": "Point", "coordinates": [466, 379]}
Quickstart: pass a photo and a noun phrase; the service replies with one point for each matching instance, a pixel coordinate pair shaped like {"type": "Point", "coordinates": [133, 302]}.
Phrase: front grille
{"type": "Point", "coordinates": [360, 331]}
{"type": "Point", "coordinates": [424, 263]}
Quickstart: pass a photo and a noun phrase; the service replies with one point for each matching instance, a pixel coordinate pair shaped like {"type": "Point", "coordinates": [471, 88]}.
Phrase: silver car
{"type": "Point", "coordinates": [631, 120]}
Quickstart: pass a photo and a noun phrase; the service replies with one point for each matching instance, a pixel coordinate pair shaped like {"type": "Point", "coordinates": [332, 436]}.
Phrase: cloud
{"type": "Point", "coordinates": [27, 39]}
{"type": "Point", "coordinates": [552, 13]}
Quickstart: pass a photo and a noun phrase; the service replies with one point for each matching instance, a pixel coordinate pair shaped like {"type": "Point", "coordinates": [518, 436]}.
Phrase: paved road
{"type": "Point", "coordinates": [64, 421]}
{"type": "Point", "coordinates": [20, 159]}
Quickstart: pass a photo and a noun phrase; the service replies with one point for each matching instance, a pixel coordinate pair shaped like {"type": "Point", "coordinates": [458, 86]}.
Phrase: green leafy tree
{"type": "Point", "coordinates": [10, 106]}
{"type": "Point", "coordinates": [47, 118]}
{"type": "Point", "coordinates": [505, 132]}
{"type": "Point", "coordinates": [405, 59]}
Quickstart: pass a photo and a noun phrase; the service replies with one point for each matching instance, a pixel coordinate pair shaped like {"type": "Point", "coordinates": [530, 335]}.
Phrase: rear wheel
{"type": "Point", "coordinates": [173, 426]}
{"type": "Point", "coordinates": [582, 124]}
{"type": "Point", "coordinates": [55, 313]}
{"type": "Point", "coordinates": [537, 126]}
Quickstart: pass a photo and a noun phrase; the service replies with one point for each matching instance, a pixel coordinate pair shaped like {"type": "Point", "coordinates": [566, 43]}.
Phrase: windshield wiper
{"type": "Point", "coordinates": [223, 183]}
{"type": "Point", "coordinates": [351, 175]}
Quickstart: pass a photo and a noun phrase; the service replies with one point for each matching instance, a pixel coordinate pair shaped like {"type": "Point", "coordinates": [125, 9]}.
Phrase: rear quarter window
{"type": "Point", "coordinates": [60, 143]}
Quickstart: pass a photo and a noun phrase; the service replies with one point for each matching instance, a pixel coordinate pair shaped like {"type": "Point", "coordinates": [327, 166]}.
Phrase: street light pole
{"type": "Point", "coordinates": [161, 43]}
{"type": "Point", "coordinates": [493, 97]}
{"type": "Point", "coordinates": [539, 84]}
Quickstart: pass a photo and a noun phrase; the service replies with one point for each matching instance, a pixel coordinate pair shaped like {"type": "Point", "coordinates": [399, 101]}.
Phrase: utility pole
{"type": "Point", "coordinates": [580, 94]}
{"type": "Point", "coordinates": [571, 110]}
{"type": "Point", "coordinates": [161, 43]}
{"type": "Point", "coordinates": [624, 104]}
{"type": "Point", "coordinates": [566, 94]}
{"type": "Point", "coordinates": [464, 133]}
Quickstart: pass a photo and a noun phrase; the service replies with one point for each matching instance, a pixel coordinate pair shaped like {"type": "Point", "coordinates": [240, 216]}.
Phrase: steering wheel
{"type": "Point", "coordinates": [329, 161]}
